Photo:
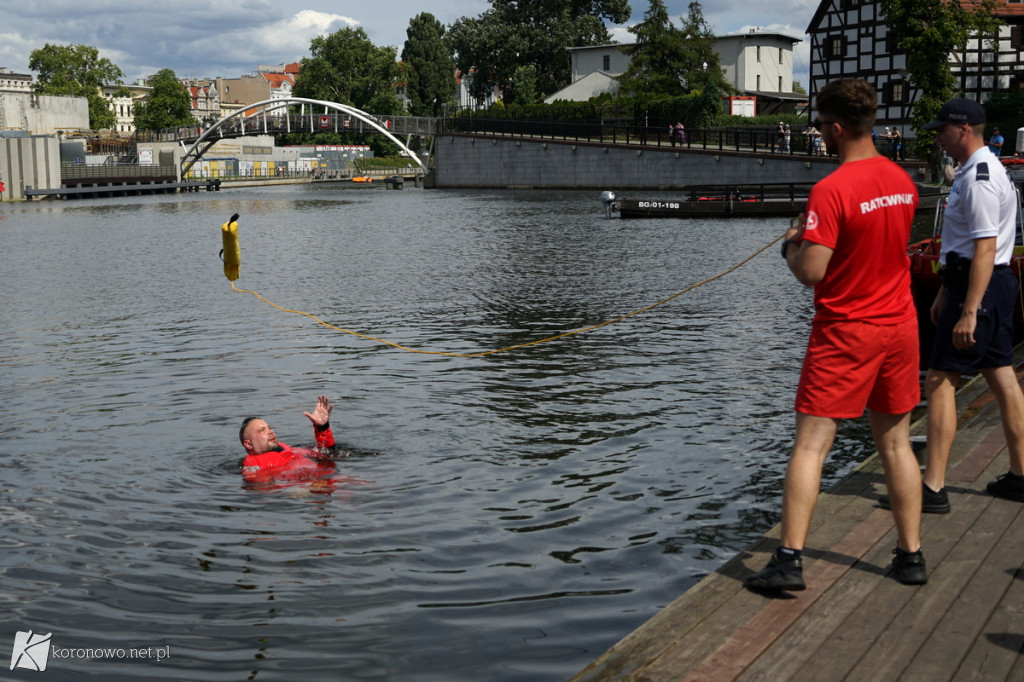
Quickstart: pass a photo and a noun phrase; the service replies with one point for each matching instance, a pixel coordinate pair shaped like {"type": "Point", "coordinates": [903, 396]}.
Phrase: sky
{"type": "Point", "coordinates": [229, 38]}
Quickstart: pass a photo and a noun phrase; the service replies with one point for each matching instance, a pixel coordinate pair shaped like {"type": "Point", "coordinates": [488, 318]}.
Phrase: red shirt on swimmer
{"type": "Point", "coordinates": [267, 459]}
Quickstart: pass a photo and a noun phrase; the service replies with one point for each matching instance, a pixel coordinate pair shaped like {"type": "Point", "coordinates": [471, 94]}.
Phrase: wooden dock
{"type": "Point", "coordinates": [123, 189]}
{"type": "Point", "coordinates": [854, 622]}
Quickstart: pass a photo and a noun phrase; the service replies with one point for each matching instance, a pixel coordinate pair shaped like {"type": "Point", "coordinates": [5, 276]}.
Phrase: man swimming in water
{"type": "Point", "coordinates": [266, 458]}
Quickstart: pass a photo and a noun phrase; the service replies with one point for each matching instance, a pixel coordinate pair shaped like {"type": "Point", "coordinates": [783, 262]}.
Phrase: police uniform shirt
{"type": "Point", "coordinates": [982, 203]}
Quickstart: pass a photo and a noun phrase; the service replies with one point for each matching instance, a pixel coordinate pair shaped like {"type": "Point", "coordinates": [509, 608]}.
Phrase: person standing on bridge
{"type": "Point", "coordinates": [973, 311]}
{"type": "Point", "coordinates": [863, 348]}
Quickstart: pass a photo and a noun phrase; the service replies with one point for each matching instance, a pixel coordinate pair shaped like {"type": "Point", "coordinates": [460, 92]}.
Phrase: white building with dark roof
{"type": "Point", "coordinates": [757, 63]}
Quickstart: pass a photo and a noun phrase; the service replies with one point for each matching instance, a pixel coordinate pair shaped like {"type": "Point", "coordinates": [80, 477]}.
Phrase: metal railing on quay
{"type": "Point", "coordinates": [739, 139]}
{"type": "Point", "coordinates": [76, 171]}
{"type": "Point", "coordinates": [255, 174]}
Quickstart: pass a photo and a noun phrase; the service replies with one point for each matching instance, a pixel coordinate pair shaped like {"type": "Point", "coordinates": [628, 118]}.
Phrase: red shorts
{"type": "Point", "coordinates": [853, 365]}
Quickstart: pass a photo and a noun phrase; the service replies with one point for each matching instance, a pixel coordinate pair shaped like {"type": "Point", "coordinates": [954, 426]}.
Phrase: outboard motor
{"type": "Point", "coordinates": [608, 199]}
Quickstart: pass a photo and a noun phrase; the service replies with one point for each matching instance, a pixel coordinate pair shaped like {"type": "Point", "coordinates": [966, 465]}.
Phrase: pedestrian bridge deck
{"type": "Point", "coordinates": [853, 622]}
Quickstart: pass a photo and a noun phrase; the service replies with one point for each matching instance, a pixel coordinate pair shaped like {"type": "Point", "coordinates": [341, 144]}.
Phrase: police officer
{"type": "Point", "coordinates": [973, 311]}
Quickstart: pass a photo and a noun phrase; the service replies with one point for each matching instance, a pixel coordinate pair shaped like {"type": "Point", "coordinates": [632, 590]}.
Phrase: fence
{"type": "Point", "coordinates": [81, 171]}
{"type": "Point", "coordinates": [746, 139]}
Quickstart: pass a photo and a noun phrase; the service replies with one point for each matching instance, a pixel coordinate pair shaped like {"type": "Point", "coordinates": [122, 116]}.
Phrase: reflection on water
{"type": "Point", "coordinates": [507, 517]}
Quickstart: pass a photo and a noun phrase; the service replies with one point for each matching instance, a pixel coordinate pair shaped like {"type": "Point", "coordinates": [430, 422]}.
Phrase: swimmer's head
{"type": "Point", "coordinates": [257, 437]}
{"type": "Point", "coordinates": [241, 431]}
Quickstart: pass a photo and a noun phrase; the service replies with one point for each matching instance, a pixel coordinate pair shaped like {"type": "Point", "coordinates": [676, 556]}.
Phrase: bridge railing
{"type": "Point", "coordinates": [728, 138]}
{"type": "Point", "coordinates": [271, 123]}
{"type": "Point", "coordinates": [746, 138]}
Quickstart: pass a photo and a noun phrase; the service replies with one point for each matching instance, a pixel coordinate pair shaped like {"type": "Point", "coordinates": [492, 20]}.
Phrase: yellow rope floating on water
{"type": "Point", "coordinates": [520, 345]}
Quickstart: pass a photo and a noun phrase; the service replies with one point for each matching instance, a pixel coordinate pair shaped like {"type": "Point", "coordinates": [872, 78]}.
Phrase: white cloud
{"type": "Point", "coordinates": [209, 38]}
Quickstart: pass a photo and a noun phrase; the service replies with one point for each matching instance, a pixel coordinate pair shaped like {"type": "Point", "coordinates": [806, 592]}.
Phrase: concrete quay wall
{"type": "Point", "coordinates": [43, 114]}
{"type": "Point", "coordinates": [28, 161]}
{"type": "Point", "coordinates": [465, 161]}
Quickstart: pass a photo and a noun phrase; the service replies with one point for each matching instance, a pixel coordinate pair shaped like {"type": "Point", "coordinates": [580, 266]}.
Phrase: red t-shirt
{"type": "Point", "coordinates": [863, 211]}
{"type": "Point", "coordinates": [289, 463]}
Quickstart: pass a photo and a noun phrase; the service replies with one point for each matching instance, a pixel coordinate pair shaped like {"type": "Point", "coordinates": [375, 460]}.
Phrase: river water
{"type": "Point", "coordinates": [505, 517]}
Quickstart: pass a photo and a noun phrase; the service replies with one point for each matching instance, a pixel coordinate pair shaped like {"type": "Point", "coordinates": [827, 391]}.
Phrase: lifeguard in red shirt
{"type": "Point", "coordinates": [267, 459]}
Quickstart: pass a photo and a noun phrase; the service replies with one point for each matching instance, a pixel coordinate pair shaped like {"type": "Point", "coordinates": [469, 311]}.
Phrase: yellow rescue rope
{"type": "Point", "coordinates": [231, 228]}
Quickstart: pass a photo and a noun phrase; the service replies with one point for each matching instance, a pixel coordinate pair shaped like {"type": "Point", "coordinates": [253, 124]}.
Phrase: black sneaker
{"type": "Point", "coordinates": [931, 502]}
{"type": "Point", "coordinates": [1008, 486]}
{"type": "Point", "coordinates": [908, 567]}
{"type": "Point", "coordinates": [778, 575]}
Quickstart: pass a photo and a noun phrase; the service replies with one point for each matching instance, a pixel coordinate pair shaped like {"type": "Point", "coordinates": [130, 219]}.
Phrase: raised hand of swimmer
{"type": "Point", "coordinates": [321, 414]}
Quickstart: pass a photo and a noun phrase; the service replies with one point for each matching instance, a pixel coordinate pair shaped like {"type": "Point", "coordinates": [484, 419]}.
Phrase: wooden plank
{"type": "Point", "coordinates": [962, 630]}
{"type": "Point", "coordinates": [632, 654]}
{"type": "Point", "coordinates": [949, 542]}
{"type": "Point", "coordinates": [719, 604]}
{"type": "Point", "coordinates": [799, 655]}
{"type": "Point", "coordinates": [981, 456]}
{"type": "Point", "coordinates": [853, 622]}
{"type": "Point", "coordinates": [834, 518]}
{"type": "Point", "coordinates": [761, 631]}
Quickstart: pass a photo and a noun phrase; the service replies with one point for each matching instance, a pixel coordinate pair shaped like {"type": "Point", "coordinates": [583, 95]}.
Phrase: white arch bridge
{"type": "Point", "coordinates": [315, 116]}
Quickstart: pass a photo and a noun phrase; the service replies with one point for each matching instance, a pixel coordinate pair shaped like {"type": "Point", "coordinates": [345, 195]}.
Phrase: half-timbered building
{"type": "Point", "coordinates": [849, 39]}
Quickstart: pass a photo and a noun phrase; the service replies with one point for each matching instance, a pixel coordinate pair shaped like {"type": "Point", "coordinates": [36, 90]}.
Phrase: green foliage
{"type": "Point", "coordinates": [525, 85]}
{"type": "Point", "coordinates": [168, 104]}
{"type": "Point", "coordinates": [1006, 110]}
{"type": "Point", "coordinates": [382, 163]}
{"type": "Point", "coordinates": [703, 66]}
{"type": "Point", "coordinates": [429, 66]}
{"type": "Point", "coordinates": [347, 68]}
{"type": "Point", "coordinates": [656, 60]}
{"type": "Point", "coordinates": [927, 31]}
{"type": "Point", "coordinates": [695, 110]}
{"type": "Point", "coordinates": [78, 71]}
{"type": "Point", "coordinates": [515, 33]}
{"type": "Point", "coordinates": [673, 61]}
{"type": "Point", "coordinates": [795, 121]}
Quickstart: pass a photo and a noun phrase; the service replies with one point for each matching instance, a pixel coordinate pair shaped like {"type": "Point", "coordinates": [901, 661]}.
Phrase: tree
{"type": "Point", "coordinates": [1006, 109]}
{"type": "Point", "coordinates": [656, 58]}
{"type": "Point", "coordinates": [78, 71]}
{"type": "Point", "coordinates": [927, 31]}
{"type": "Point", "coordinates": [347, 68]}
{"type": "Point", "coordinates": [702, 67]}
{"type": "Point", "coordinates": [524, 82]}
{"type": "Point", "coordinates": [168, 104]}
{"type": "Point", "coordinates": [515, 33]}
{"type": "Point", "coordinates": [429, 66]}
{"type": "Point", "coordinates": [673, 61]}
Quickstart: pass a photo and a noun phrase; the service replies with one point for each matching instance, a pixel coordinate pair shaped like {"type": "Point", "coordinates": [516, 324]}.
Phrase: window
{"type": "Point", "coordinates": [758, 53]}
{"type": "Point", "coordinates": [780, 56]}
{"type": "Point", "coordinates": [896, 92]}
{"type": "Point", "coordinates": [780, 83]}
{"type": "Point", "coordinates": [1016, 37]}
{"type": "Point", "coordinates": [607, 62]}
{"type": "Point", "coordinates": [758, 88]}
{"type": "Point", "coordinates": [834, 47]}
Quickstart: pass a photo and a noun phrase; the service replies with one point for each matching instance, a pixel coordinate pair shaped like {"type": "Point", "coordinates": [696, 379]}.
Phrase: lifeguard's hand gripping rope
{"type": "Point", "coordinates": [231, 256]}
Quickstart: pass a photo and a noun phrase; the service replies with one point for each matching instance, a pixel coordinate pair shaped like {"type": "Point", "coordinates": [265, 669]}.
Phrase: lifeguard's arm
{"type": "Point", "coordinates": [807, 260]}
{"type": "Point", "coordinates": [320, 416]}
{"type": "Point", "coordinates": [982, 266]}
